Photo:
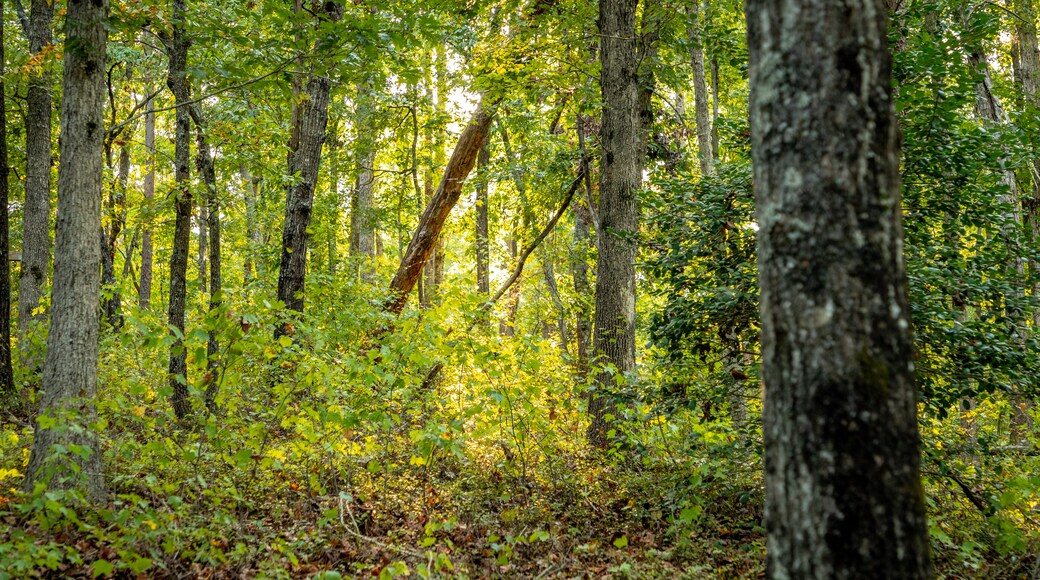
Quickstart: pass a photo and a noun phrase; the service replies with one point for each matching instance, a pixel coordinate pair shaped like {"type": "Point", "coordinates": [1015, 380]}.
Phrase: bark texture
{"type": "Point", "coordinates": [204, 161]}
{"type": "Point", "coordinates": [843, 490]}
{"type": "Point", "coordinates": [144, 293]}
{"type": "Point", "coordinates": [362, 218]}
{"type": "Point", "coordinates": [177, 81]}
{"type": "Point", "coordinates": [36, 240]}
{"type": "Point", "coordinates": [6, 374]}
{"type": "Point", "coordinates": [1027, 71]}
{"type": "Point", "coordinates": [622, 146]}
{"type": "Point", "coordinates": [482, 247]}
{"type": "Point", "coordinates": [705, 153]}
{"type": "Point", "coordinates": [304, 162]}
{"type": "Point", "coordinates": [432, 221]}
{"type": "Point", "coordinates": [70, 369]}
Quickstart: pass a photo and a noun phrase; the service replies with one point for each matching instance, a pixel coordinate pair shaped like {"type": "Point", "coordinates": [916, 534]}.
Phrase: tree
{"type": "Point", "coordinates": [621, 166]}
{"type": "Point", "coordinates": [843, 486]}
{"type": "Point", "coordinates": [177, 81]}
{"type": "Point", "coordinates": [36, 240]}
{"type": "Point", "coordinates": [66, 453]}
{"type": "Point", "coordinates": [304, 161]}
{"type": "Point", "coordinates": [144, 294]}
{"type": "Point", "coordinates": [6, 374]}
{"type": "Point", "coordinates": [700, 90]}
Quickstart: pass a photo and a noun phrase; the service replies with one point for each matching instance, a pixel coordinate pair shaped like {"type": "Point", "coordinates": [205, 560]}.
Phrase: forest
{"type": "Point", "coordinates": [520, 289]}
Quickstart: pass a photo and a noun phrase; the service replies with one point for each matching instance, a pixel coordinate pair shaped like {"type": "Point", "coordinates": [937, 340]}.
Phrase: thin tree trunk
{"type": "Point", "coordinates": [583, 243]}
{"type": "Point", "coordinates": [36, 240]}
{"type": "Point", "coordinates": [209, 177]}
{"type": "Point", "coordinates": [843, 488]}
{"type": "Point", "coordinates": [144, 294]}
{"type": "Point", "coordinates": [254, 238]}
{"type": "Point", "coordinates": [7, 389]}
{"type": "Point", "coordinates": [202, 223]}
{"type": "Point", "coordinates": [362, 218]}
{"type": "Point", "coordinates": [1028, 73]}
{"type": "Point", "coordinates": [705, 151]}
{"type": "Point", "coordinates": [482, 245]}
{"type": "Point", "coordinates": [304, 163]}
{"type": "Point", "coordinates": [111, 304]}
{"type": "Point", "coordinates": [436, 213]}
{"type": "Point", "coordinates": [621, 165]}
{"type": "Point", "coordinates": [70, 369]}
{"type": "Point", "coordinates": [178, 83]}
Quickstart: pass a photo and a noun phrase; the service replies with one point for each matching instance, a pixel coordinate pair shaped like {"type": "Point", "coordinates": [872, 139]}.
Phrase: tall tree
{"type": "Point", "coordinates": [362, 218]}
{"type": "Point", "coordinates": [70, 369]}
{"type": "Point", "coordinates": [1026, 61]}
{"type": "Point", "coordinates": [177, 81]}
{"type": "Point", "coordinates": [621, 166]}
{"type": "Point", "coordinates": [482, 247]}
{"type": "Point", "coordinates": [6, 374]}
{"type": "Point", "coordinates": [843, 489]}
{"type": "Point", "coordinates": [204, 162]}
{"type": "Point", "coordinates": [36, 240]}
{"type": "Point", "coordinates": [304, 161]}
{"type": "Point", "coordinates": [695, 34]}
{"type": "Point", "coordinates": [144, 293]}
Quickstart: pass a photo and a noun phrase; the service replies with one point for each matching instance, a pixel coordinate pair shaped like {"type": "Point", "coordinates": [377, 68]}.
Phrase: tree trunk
{"type": "Point", "coordinates": [36, 240]}
{"type": "Point", "coordinates": [622, 146]}
{"type": "Point", "coordinates": [209, 177]}
{"type": "Point", "coordinates": [843, 488]}
{"type": "Point", "coordinates": [304, 162]}
{"type": "Point", "coordinates": [705, 152]}
{"type": "Point", "coordinates": [178, 83]}
{"type": "Point", "coordinates": [70, 369]}
{"type": "Point", "coordinates": [583, 242]}
{"type": "Point", "coordinates": [144, 293]}
{"type": "Point", "coordinates": [362, 218]}
{"type": "Point", "coordinates": [254, 240]}
{"type": "Point", "coordinates": [202, 223]}
{"type": "Point", "coordinates": [6, 373]}
{"type": "Point", "coordinates": [482, 245]}
{"type": "Point", "coordinates": [111, 304]}
{"type": "Point", "coordinates": [1028, 73]}
{"type": "Point", "coordinates": [436, 213]}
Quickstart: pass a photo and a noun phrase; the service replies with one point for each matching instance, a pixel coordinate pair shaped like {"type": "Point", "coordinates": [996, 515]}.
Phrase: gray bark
{"type": "Point", "coordinates": [362, 218]}
{"type": "Point", "coordinates": [209, 177]}
{"type": "Point", "coordinates": [70, 369]}
{"type": "Point", "coordinates": [304, 162]}
{"type": "Point", "coordinates": [36, 241]}
{"type": "Point", "coordinates": [144, 293]}
{"type": "Point", "coordinates": [1027, 70]}
{"type": "Point", "coordinates": [482, 247]}
{"type": "Point", "coordinates": [254, 237]}
{"type": "Point", "coordinates": [843, 489]}
{"type": "Point", "coordinates": [705, 151]}
{"type": "Point", "coordinates": [6, 373]}
{"type": "Point", "coordinates": [177, 51]}
{"type": "Point", "coordinates": [583, 243]}
{"type": "Point", "coordinates": [621, 165]}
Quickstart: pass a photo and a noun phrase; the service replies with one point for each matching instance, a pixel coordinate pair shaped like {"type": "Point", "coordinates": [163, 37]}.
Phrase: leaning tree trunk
{"type": "Point", "coordinates": [178, 84]}
{"type": "Point", "coordinates": [843, 488]}
{"type": "Point", "coordinates": [621, 166]}
{"type": "Point", "coordinates": [144, 292]}
{"type": "Point", "coordinates": [444, 199]}
{"type": "Point", "coordinates": [36, 240]}
{"type": "Point", "coordinates": [6, 373]}
{"type": "Point", "coordinates": [71, 366]}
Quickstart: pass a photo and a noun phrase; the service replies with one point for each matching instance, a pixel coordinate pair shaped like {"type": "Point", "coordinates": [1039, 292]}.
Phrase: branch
{"type": "Point", "coordinates": [23, 18]}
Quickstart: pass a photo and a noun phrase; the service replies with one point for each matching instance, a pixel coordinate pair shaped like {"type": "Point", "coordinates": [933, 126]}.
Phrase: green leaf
{"type": "Point", "coordinates": [621, 542]}
{"type": "Point", "coordinates": [102, 568]}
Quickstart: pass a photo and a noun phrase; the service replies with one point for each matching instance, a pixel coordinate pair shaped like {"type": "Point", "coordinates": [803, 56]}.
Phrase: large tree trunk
{"type": "Point", "coordinates": [144, 293]}
{"type": "Point", "coordinates": [304, 162]}
{"type": "Point", "coordinates": [705, 153]}
{"type": "Point", "coordinates": [70, 369]}
{"type": "Point", "coordinates": [6, 373]}
{"type": "Point", "coordinates": [36, 240]}
{"type": "Point", "coordinates": [843, 488]}
{"type": "Point", "coordinates": [436, 213]}
{"type": "Point", "coordinates": [178, 84]}
{"type": "Point", "coordinates": [622, 145]}
{"type": "Point", "coordinates": [209, 177]}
